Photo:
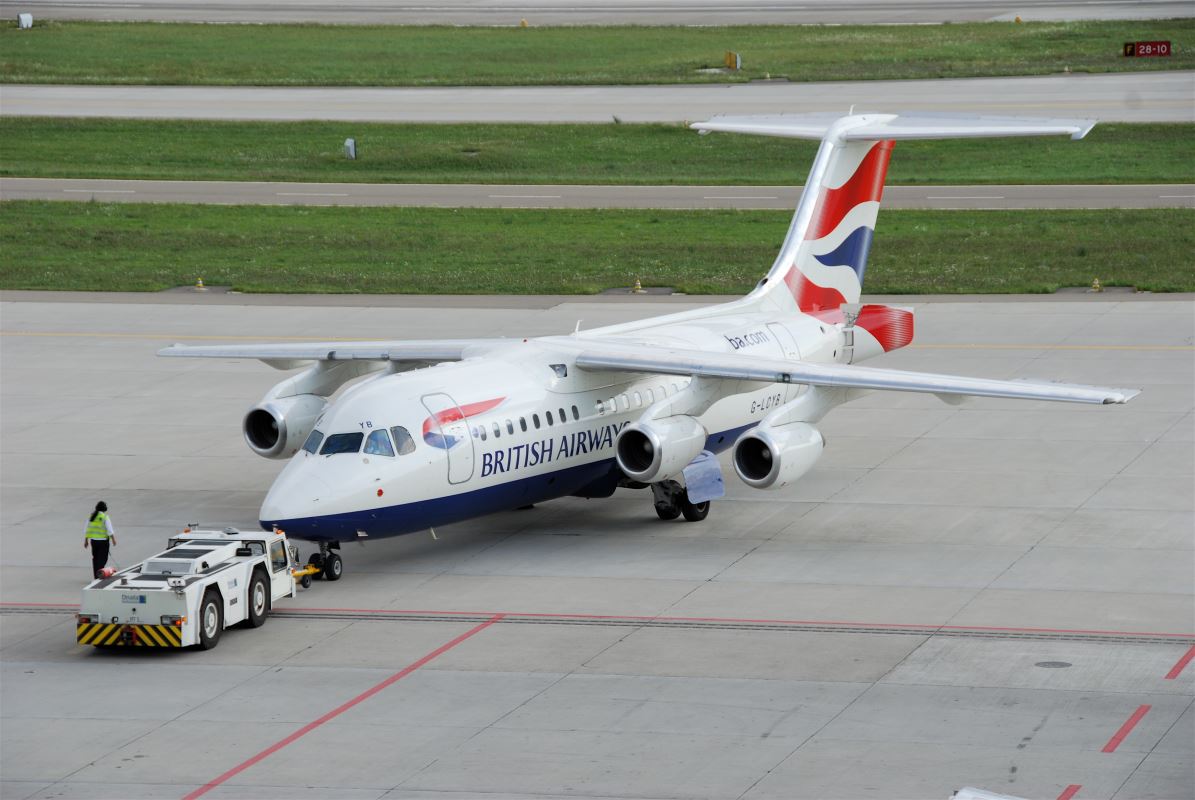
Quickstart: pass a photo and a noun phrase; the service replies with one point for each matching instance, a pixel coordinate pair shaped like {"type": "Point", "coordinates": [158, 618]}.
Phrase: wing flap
{"type": "Point", "coordinates": [720, 365]}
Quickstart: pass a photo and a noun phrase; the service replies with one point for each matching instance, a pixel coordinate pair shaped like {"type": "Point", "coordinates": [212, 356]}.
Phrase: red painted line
{"type": "Point", "coordinates": [1181, 665]}
{"type": "Point", "coordinates": [1070, 791]}
{"type": "Point", "coordinates": [1125, 730]}
{"type": "Point", "coordinates": [368, 693]}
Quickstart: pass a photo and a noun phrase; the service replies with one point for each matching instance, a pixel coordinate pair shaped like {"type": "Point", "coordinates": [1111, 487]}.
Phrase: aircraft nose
{"type": "Point", "coordinates": [293, 497]}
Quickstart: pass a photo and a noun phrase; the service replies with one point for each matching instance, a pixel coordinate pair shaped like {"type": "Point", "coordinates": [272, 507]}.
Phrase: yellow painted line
{"type": "Point", "coordinates": [218, 338]}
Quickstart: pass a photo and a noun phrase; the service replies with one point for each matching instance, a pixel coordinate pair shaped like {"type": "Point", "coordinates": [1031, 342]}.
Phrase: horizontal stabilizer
{"type": "Point", "coordinates": [894, 127]}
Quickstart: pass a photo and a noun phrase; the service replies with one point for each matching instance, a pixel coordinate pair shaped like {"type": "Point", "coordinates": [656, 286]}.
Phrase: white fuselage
{"type": "Point", "coordinates": [535, 427]}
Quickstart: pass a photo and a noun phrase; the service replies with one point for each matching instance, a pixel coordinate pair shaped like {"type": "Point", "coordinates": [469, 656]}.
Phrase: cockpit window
{"type": "Point", "coordinates": [402, 440]}
{"type": "Point", "coordinates": [378, 444]}
{"type": "Point", "coordinates": [342, 443]}
{"type": "Point", "coordinates": [312, 443]}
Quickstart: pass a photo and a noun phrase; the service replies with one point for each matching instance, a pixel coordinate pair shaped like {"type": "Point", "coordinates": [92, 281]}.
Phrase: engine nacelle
{"type": "Point", "coordinates": [277, 428]}
{"type": "Point", "coordinates": [768, 458]}
{"type": "Point", "coordinates": [660, 449]}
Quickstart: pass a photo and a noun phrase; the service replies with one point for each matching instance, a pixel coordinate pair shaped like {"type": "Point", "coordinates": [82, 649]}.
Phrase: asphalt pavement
{"type": "Point", "coordinates": [1166, 96]}
{"type": "Point", "coordinates": [557, 196]}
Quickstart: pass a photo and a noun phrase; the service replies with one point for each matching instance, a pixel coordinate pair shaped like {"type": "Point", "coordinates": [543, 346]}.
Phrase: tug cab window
{"type": "Point", "coordinates": [278, 556]}
{"type": "Point", "coordinates": [402, 440]}
{"type": "Point", "coordinates": [378, 444]}
{"type": "Point", "coordinates": [312, 443]}
{"type": "Point", "coordinates": [342, 443]}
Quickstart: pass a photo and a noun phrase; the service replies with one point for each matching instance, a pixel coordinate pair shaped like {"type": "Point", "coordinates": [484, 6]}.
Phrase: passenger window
{"type": "Point", "coordinates": [510, 427]}
{"type": "Point", "coordinates": [623, 402]}
{"type": "Point", "coordinates": [523, 424]}
{"type": "Point", "coordinates": [278, 555]}
{"type": "Point", "coordinates": [497, 430]}
{"type": "Point", "coordinates": [651, 396]}
{"type": "Point", "coordinates": [576, 414]}
{"type": "Point", "coordinates": [312, 443]}
{"type": "Point", "coordinates": [378, 444]}
{"type": "Point", "coordinates": [563, 416]}
{"type": "Point", "coordinates": [402, 440]}
{"type": "Point", "coordinates": [548, 416]}
{"type": "Point", "coordinates": [535, 420]}
{"type": "Point", "coordinates": [342, 443]}
{"type": "Point", "coordinates": [599, 406]}
{"type": "Point", "coordinates": [481, 430]}
{"type": "Point", "coordinates": [638, 400]}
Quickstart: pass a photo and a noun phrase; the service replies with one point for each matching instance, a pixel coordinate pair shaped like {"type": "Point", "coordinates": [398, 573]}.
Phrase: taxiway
{"type": "Point", "coordinates": [997, 595]}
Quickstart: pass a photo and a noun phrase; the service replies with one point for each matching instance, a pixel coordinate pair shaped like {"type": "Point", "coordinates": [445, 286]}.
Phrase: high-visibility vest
{"type": "Point", "coordinates": [96, 529]}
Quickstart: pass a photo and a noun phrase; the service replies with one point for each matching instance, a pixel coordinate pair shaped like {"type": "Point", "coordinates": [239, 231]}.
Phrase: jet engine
{"type": "Point", "coordinates": [771, 457]}
{"type": "Point", "coordinates": [659, 449]}
{"type": "Point", "coordinates": [277, 428]}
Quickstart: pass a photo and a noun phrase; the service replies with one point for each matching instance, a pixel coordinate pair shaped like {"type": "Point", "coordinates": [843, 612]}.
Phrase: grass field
{"type": "Point", "coordinates": [612, 154]}
{"type": "Point", "coordinates": [303, 55]}
{"type": "Point", "coordinates": [97, 246]}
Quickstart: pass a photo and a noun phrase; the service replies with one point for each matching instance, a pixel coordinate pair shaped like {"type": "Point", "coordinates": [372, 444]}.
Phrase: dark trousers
{"type": "Point", "coordinates": [99, 555]}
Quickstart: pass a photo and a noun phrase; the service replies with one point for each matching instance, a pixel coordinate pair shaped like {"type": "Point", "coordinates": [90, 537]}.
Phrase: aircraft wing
{"type": "Point", "coordinates": [430, 350]}
{"type": "Point", "coordinates": [623, 358]}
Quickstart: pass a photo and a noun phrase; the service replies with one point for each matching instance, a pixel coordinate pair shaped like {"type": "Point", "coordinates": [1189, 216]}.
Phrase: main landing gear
{"type": "Point", "coordinates": [672, 500]}
{"type": "Point", "coordinates": [330, 565]}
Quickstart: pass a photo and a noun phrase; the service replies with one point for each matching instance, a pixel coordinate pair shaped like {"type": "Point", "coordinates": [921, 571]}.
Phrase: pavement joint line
{"type": "Point", "coordinates": [343, 707]}
{"type": "Point", "coordinates": [697, 623]}
{"type": "Point", "coordinates": [1126, 729]}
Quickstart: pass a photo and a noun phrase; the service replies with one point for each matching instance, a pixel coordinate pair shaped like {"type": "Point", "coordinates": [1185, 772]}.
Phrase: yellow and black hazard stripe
{"type": "Point", "coordinates": [105, 633]}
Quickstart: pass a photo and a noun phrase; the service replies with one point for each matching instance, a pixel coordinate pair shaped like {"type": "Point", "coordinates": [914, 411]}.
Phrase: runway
{"type": "Point", "coordinates": [556, 196]}
{"type": "Point", "coordinates": [1115, 97]}
{"type": "Point", "coordinates": [996, 595]}
{"type": "Point", "coordinates": [597, 12]}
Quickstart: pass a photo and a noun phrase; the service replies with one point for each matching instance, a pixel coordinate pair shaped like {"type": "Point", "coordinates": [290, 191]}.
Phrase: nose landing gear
{"type": "Point", "coordinates": [329, 564]}
{"type": "Point", "coordinates": [671, 500]}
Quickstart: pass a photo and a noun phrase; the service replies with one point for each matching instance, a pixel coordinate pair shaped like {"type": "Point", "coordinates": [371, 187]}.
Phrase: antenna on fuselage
{"type": "Point", "coordinates": [578, 328]}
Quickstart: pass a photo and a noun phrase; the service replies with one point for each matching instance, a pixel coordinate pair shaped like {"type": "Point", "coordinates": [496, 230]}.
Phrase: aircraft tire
{"type": "Point", "coordinates": [667, 511]}
{"type": "Point", "coordinates": [694, 512]}
{"type": "Point", "coordinates": [333, 567]}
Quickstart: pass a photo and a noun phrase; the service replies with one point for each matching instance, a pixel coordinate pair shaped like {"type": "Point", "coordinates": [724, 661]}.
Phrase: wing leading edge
{"type": "Point", "coordinates": [429, 351]}
{"type": "Point", "coordinates": [717, 365]}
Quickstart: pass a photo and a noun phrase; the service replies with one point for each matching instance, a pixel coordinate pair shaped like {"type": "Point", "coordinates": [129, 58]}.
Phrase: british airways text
{"type": "Point", "coordinates": [535, 453]}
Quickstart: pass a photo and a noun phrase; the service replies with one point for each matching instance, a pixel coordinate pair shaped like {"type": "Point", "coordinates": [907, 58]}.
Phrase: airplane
{"type": "Point", "coordinates": [435, 432]}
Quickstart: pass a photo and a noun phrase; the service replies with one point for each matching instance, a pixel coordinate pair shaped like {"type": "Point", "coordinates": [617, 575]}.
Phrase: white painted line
{"type": "Point", "coordinates": [1176, 196]}
{"type": "Point", "coordinates": [102, 191]}
{"type": "Point", "coordinates": [525, 196]}
{"type": "Point", "coordinates": [963, 197]}
{"type": "Point", "coordinates": [740, 197]}
{"type": "Point", "coordinates": [312, 194]}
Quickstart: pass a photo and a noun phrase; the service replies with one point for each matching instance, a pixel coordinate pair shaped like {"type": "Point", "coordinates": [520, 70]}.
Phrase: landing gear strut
{"type": "Point", "coordinates": [671, 500]}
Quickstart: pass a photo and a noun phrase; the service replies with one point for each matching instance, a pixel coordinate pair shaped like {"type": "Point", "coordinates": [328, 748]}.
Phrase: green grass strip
{"type": "Point", "coordinates": [117, 246]}
{"type": "Point", "coordinates": [350, 55]}
{"type": "Point", "coordinates": [529, 154]}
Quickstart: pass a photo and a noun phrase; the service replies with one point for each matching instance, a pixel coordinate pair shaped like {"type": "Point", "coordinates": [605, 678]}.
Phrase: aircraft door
{"type": "Point", "coordinates": [788, 344]}
{"type": "Point", "coordinates": [448, 430]}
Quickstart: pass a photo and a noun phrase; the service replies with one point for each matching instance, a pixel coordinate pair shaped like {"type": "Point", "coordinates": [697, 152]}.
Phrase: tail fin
{"type": "Point", "coordinates": [824, 256]}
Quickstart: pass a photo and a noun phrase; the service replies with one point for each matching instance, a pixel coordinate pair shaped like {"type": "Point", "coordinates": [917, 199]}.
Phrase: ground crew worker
{"type": "Point", "coordinates": [98, 534]}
